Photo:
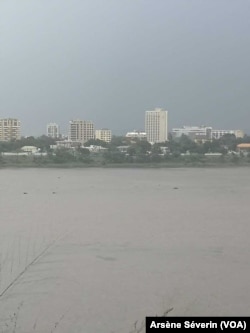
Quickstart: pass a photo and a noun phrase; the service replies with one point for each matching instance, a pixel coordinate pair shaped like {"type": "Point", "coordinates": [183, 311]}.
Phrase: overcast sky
{"type": "Point", "coordinates": [111, 60]}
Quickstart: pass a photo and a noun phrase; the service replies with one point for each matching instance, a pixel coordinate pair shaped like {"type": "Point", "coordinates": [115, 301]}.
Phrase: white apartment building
{"type": "Point", "coordinates": [10, 129]}
{"type": "Point", "coordinates": [103, 134]}
{"type": "Point", "coordinates": [81, 130]}
{"type": "Point", "coordinates": [53, 130]}
{"type": "Point", "coordinates": [156, 125]}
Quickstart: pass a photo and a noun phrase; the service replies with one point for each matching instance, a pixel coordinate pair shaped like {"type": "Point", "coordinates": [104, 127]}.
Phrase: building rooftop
{"type": "Point", "coordinates": [243, 145]}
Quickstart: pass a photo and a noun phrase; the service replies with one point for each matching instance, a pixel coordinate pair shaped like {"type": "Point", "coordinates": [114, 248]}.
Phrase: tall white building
{"type": "Point", "coordinates": [103, 134]}
{"type": "Point", "coordinates": [10, 129]}
{"type": "Point", "coordinates": [81, 130]}
{"type": "Point", "coordinates": [156, 125]}
{"type": "Point", "coordinates": [53, 130]}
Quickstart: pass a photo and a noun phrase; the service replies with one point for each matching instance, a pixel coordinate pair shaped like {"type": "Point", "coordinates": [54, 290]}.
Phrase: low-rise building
{"type": "Point", "coordinates": [30, 149]}
{"type": "Point", "coordinates": [217, 134]}
{"type": "Point", "coordinates": [123, 149]}
{"type": "Point", "coordinates": [103, 134]}
{"type": "Point", "coordinates": [195, 133]}
{"type": "Point", "coordinates": [243, 147]}
{"type": "Point", "coordinates": [213, 154]}
{"type": "Point", "coordinates": [204, 133]}
{"type": "Point", "coordinates": [66, 144]}
{"type": "Point", "coordinates": [136, 135]}
{"type": "Point", "coordinates": [95, 149]}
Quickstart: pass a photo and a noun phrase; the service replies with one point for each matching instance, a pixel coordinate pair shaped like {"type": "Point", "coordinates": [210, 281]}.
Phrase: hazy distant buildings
{"type": "Point", "coordinates": [103, 134]}
{"type": "Point", "coordinates": [195, 133]}
{"type": "Point", "coordinates": [217, 134]}
{"type": "Point", "coordinates": [10, 129]}
{"type": "Point", "coordinates": [156, 125]}
{"type": "Point", "coordinates": [203, 133]}
{"type": "Point", "coordinates": [137, 135]}
{"type": "Point", "coordinates": [53, 130]}
{"type": "Point", "coordinates": [81, 130]}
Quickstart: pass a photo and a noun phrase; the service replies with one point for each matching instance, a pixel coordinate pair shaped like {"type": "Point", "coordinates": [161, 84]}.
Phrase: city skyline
{"type": "Point", "coordinates": [53, 129]}
{"type": "Point", "coordinates": [108, 61]}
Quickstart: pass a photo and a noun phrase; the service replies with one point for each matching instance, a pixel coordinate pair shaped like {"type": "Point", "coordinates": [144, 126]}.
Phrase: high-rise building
{"type": "Point", "coordinates": [53, 130]}
{"type": "Point", "coordinates": [81, 130]}
{"type": "Point", "coordinates": [103, 134]}
{"type": "Point", "coordinates": [156, 125]}
{"type": "Point", "coordinates": [10, 129]}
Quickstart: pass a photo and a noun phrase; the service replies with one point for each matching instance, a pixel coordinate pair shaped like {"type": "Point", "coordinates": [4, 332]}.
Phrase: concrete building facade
{"type": "Point", "coordinates": [203, 133]}
{"type": "Point", "coordinates": [195, 133]}
{"type": "Point", "coordinates": [156, 125]}
{"type": "Point", "coordinates": [217, 134]}
{"type": "Point", "coordinates": [81, 130]}
{"type": "Point", "coordinates": [103, 134]}
{"type": "Point", "coordinates": [53, 130]}
{"type": "Point", "coordinates": [10, 129]}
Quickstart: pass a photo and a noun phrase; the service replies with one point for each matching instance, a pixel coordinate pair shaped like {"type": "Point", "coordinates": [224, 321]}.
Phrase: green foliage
{"type": "Point", "coordinates": [117, 141]}
{"type": "Point", "coordinates": [156, 158]}
{"type": "Point", "coordinates": [83, 151]}
{"type": "Point", "coordinates": [63, 155]}
{"type": "Point", "coordinates": [1, 159]}
{"type": "Point", "coordinates": [228, 141]}
{"type": "Point", "coordinates": [156, 148]}
{"type": "Point", "coordinates": [186, 144]}
{"type": "Point", "coordinates": [114, 157]}
{"type": "Point", "coordinates": [83, 155]}
{"type": "Point", "coordinates": [139, 148]}
{"type": "Point", "coordinates": [43, 142]}
{"type": "Point", "coordinates": [183, 151]}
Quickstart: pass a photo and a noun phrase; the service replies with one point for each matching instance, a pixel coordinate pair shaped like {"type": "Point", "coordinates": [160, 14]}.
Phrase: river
{"type": "Point", "coordinates": [95, 250]}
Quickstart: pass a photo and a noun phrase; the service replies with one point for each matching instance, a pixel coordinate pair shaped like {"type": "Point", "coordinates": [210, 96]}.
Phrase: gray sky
{"type": "Point", "coordinates": [111, 60]}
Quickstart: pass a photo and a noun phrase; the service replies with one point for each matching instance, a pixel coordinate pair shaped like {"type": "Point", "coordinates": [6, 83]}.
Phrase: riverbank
{"type": "Point", "coordinates": [97, 162]}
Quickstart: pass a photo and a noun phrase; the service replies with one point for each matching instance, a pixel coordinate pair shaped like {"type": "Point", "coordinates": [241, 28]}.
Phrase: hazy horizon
{"type": "Point", "coordinates": [109, 61]}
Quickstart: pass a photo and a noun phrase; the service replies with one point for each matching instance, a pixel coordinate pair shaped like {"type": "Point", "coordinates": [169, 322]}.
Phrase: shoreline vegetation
{"type": "Point", "coordinates": [99, 162]}
{"type": "Point", "coordinates": [123, 152]}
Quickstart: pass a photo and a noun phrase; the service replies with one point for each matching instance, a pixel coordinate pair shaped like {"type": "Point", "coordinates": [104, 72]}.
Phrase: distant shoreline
{"type": "Point", "coordinates": [98, 161]}
{"type": "Point", "coordinates": [71, 165]}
